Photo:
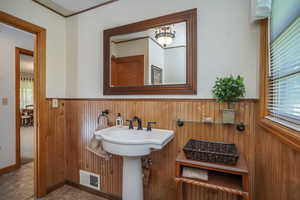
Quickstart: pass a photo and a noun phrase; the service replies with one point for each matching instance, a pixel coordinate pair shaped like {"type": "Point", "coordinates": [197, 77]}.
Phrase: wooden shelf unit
{"type": "Point", "coordinates": [231, 179]}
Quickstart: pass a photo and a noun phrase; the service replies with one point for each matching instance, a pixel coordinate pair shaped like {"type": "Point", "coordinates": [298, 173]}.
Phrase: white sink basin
{"type": "Point", "coordinates": [124, 142]}
{"type": "Point", "coordinates": [132, 144]}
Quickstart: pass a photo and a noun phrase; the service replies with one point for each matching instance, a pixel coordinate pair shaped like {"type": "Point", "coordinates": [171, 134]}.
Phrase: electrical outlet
{"type": "Point", "coordinates": [54, 103]}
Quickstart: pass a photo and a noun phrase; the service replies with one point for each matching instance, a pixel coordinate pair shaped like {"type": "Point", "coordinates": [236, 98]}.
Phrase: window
{"type": "Point", "coordinates": [283, 103]}
{"type": "Point", "coordinates": [26, 91]}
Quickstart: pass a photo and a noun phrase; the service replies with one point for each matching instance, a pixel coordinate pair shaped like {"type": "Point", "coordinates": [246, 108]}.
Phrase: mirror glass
{"type": "Point", "coordinates": [156, 56]}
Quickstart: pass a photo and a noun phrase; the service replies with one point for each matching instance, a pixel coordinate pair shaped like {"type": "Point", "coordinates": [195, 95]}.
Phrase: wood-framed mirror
{"type": "Point", "coordinates": [155, 56]}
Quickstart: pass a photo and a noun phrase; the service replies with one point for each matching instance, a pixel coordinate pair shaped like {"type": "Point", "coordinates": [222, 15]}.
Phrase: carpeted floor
{"type": "Point", "coordinates": [18, 185]}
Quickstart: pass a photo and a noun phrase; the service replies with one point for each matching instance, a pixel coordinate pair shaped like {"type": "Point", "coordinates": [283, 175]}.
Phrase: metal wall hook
{"type": "Point", "coordinates": [105, 112]}
{"type": "Point", "coordinates": [180, 123]}
{"type": "Point", "coordinates": [240, 126]}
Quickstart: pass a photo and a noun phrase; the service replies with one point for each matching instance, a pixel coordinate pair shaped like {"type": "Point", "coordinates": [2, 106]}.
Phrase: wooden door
{"type": "Point", "coordinates": [127, 71]}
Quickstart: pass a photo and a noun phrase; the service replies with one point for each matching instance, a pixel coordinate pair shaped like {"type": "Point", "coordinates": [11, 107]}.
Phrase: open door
{"type": "Point", "coordinates": [24, 106]}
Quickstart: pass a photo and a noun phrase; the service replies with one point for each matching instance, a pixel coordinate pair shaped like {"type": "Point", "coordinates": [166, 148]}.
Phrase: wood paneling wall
{"type": "Point", "coordinates": [55, 140]}
{"type": "Point", "coordinates": [81, 120]}
{"type": "Point", "coordinates": [277, 169]}
{"type": "Point", "coordinates": [274, 167]}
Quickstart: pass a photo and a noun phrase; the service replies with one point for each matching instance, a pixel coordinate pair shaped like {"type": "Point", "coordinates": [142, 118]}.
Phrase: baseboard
{"type": "Point", "coordinates": [9, 169]}
{"type": "Point", "coordinates": [95, 192]}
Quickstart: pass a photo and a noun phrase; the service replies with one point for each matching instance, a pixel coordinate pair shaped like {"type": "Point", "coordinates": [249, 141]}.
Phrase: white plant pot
{"type": "Point", "coordinates": [228, 116]}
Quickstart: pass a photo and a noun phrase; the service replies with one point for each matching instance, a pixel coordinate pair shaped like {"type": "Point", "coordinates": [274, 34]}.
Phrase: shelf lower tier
{"type": "Point", "coordinates": [213, 186]}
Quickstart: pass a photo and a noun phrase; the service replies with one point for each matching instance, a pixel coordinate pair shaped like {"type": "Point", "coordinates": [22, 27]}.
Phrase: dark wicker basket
{"type": "Point", "coordinates": [216, 152]}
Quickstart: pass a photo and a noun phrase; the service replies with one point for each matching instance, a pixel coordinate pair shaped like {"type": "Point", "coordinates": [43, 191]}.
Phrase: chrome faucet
{"type": "Point", "coordinates": [135, 118]}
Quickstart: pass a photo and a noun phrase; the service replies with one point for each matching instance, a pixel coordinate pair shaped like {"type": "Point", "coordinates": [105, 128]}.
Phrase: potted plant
{"type": "Point", "coordinates": [229, 90]}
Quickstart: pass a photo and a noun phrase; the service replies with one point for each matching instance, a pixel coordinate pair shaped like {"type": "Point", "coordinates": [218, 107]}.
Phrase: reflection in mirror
{"type": "Point", "coordinates": [156, 56]}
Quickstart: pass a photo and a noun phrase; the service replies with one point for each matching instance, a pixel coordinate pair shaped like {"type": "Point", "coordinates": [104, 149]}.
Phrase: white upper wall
{"type": "Point", "coordinates": [55, 43]}
{"type": "Point", "coordinates": [156, 58]}
{"type": "Point", "coordinates": [175, 65]}
{"type": "Point", "coordinates": [227, 43]}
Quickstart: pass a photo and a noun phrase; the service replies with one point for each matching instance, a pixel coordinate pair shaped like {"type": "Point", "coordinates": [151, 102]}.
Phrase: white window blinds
{"type": "Point", "coordinates": [284, 77]}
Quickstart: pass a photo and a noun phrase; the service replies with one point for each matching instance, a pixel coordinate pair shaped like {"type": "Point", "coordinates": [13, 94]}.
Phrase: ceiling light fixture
{"type": "Point", "coordinates": [165, 35]}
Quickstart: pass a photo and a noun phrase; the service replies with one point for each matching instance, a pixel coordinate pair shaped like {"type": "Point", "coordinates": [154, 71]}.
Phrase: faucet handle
{"type": "Point", "coordinates": [149, 128]}
{"type": "Point", "coordinates": [130, 123]}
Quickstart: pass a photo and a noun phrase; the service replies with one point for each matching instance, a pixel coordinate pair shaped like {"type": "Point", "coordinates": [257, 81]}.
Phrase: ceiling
{"type": "Point", "coordinates": [67, 8]}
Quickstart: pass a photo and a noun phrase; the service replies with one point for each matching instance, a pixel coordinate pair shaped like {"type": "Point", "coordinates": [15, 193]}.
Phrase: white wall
{"type": "Point", "coordinates": [227, 42]}
{"type": "Point", "coordinates": [9, 39]}
{"type": "Point", "coordinates": [156, 58]}
{"type": "Point", "coordinates": [175, 65]}
{"type": "Point", "coordinates": [55, 43]}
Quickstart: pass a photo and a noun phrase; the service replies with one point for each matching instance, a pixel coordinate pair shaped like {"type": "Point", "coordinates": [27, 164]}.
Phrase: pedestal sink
{"type": "Point", "coordinates": [132, 145]}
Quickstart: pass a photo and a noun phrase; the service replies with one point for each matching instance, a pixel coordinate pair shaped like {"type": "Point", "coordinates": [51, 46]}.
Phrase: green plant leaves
{"type": "Point", "coordinates": [229, 89]}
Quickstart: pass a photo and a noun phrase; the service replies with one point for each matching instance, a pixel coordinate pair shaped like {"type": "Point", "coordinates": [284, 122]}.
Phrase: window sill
{"type": "Point", "coordinates": [288, 136]}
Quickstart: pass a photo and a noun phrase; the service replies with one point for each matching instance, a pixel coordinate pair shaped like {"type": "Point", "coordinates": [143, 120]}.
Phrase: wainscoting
{"type": "Point", "coordinates": [55, 140]}
{"type": "Point", "coordinates": [277, 169]}
{"type": "Point", "coordinates": [274, 167]}
{"type": "Point", "coordinates": [81, 122]}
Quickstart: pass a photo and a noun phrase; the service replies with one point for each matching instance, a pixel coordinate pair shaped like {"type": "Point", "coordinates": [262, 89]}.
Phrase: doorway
{"type": "Point", "coordinates": [17, 127]}
{"type": "Point", "coordinates": [40, 103]}
{"type": "Point", "coordinates": [24, 106]}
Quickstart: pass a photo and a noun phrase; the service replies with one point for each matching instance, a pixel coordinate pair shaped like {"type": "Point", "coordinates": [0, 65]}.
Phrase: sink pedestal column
{"type": "Point", "coordinates": [132, 178]}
